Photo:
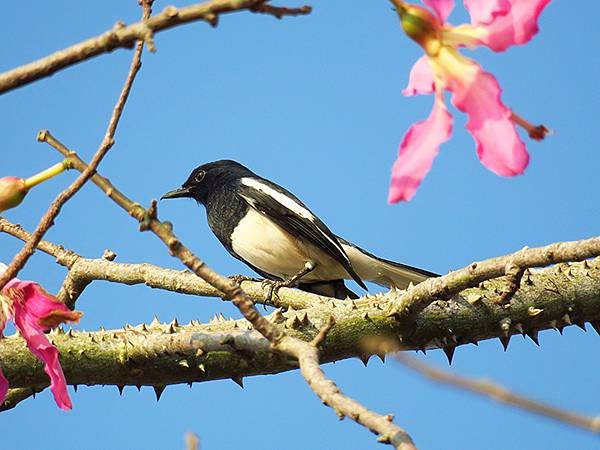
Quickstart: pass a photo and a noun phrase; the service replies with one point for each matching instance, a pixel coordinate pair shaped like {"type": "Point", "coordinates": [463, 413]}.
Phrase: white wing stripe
{"type": "Point", "coordinates": [289, 203]}
{"type": "Point", "coordinates": [280, 198]}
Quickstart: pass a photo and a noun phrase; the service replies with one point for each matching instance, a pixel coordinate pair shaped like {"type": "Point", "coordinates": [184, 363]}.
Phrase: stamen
{"type": "Point", "coordinates": [535, 132]}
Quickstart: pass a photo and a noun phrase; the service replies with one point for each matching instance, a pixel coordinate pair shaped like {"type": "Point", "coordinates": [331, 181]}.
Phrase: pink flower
{"type": "Point", "coordinates": [496, 24]}
{"type": "Point", "coordinates": [34, 311]}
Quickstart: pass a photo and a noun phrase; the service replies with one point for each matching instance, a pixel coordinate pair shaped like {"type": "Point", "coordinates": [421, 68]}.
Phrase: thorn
{"type": "Point", "coordinates": [184, 363]}
{"type": "Point", "coordinates": [505, 340]}
{"type": "Point", "coordinates": [532, 311]}
{"type": "Point", "coordinates": [295, 322]}
{"type": "Point", "coordinates": [422, 350]}
{"type": "Point", "coordinates": [75, 387]}
{"type": "Point", "coordinates": [202, 368]}
{"type": "Point", "coordinates": [305, 320]}
{"type": "Point", "coordinates": [533, 334]}
{"type": "Point", "coordinates": [158, 390]}
{"type": "Point", "coordinates": [475, 343]}
{"type": "Point", "coordinates": [449, 351]}
{"type": "Point", "coordinates": [189, 384]}
{"type": "Point", "coordinates": [365, 359]}
{"type": "Point", "coordinates": [175, 322]}
{"type": "Point", "coordinates": [580, 324]}
{"type": "Point", "coordinates": [139, 387]}
{"type": "Point", "coordinates": [567, 319]}
{"type": "Point", "coordinates": [155, 322]}
{"type": "Point", "coordinates": [239, 380]}
{"type": "Point", "coordinates": [519, 328]}
{"type": "Point", "coordinates": [553, 324]}
{"type": "Point", "coordinates": [365, 315]}
{"type": "Point", "coordinates": [70, 333]}
{"type": "Point", "coordinates": [381, 356]}
{"type": "Point", "coordinates": [596, 326]}
{"type": "Point", "coordinates": [559, 328]}
{"type": "Point", "coordinates": [144, 327]}
{"type": "Point", "coordinates": [389, 417]}
{"type": "Point", "coordinates": [120, 387]}
{"type": "Point", "coordinates": [171, 329]}
{"type": "Point", "coordinates": [277, 316]}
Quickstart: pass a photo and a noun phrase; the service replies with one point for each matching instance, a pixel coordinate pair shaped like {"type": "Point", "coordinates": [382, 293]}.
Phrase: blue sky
{"type": "Point", "coordinates": [315, 104]}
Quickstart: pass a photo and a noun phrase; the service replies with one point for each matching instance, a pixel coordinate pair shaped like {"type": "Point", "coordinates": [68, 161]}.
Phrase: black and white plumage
{"type": "Point", "coordinates": [274, 233]}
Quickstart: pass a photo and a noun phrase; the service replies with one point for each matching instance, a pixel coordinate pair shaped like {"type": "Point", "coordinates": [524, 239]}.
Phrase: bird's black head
{"type": "Point", "coordinates": [208, 178]}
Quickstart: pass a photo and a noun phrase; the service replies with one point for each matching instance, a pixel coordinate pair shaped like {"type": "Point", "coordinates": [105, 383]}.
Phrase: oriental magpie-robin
{"type": "Point", "coordinates": [273, 232]}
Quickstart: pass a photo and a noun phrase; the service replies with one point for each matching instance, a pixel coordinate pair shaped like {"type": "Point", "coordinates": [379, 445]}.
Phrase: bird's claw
{"type": "Point", "coordinates": [239, 278]}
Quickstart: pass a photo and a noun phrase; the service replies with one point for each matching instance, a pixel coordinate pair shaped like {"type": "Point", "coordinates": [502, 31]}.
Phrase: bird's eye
{"type": "Point", "coordinates": [199, 176]}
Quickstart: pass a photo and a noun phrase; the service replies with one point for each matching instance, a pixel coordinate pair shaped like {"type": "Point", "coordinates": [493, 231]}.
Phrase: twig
{"type": "Point", "coordinates": [280, 11]}
{"type": "Point", "coordinates": [306, 354]}
{"type": "Point", "coordinates": [514, 274]}
{"type": "Point", "coordinates": [419, 297]}
{"type": "Point", "coordinates": [501, 394]}
{"type": "Point", "coordinates": [191, 441]}
{"type": "Point", "coordinates": [47, 220]}
{"type": "Point", "coordinates": [319, 338]}
{"type": "Point", "coordinates": [124, 37]}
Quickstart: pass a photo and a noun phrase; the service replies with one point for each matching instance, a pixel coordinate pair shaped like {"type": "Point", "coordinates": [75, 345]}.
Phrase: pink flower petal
{"type": "Point", "coordinates": [417, 151]}
{"type": "Point", "coordinates": [3, 387]}
{"type": "Point", "coordinates": [516, 27]}
{"type": "Point", "coordinates": [484, 12]}
{"type": "Point", "coordinates": [34, 312]}
{"type": "Point", "coordinates": [499, 146]}
{"type": "Point", "coordinates": [38, 344]}
{"type": "Point", "coordinates": [442, 8]}
{"type": "Point", "coordinates": [40, 308]}
{"type": "Point", "coordinates": [420, 80]}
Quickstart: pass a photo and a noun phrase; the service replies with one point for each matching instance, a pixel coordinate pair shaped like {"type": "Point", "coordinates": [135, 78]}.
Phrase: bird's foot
{"type": "Point", "coordinates": [274, 285]}
{"type": "Point", "coordinates": [239, 278]}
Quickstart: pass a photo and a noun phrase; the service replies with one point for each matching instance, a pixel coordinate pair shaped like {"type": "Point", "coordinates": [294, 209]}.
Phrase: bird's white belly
{"type": "Point", "coordinates": [270, 248]}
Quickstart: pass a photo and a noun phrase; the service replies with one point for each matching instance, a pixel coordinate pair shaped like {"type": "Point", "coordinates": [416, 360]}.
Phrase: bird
{"type": "Point", "coordinates": [274, 233]}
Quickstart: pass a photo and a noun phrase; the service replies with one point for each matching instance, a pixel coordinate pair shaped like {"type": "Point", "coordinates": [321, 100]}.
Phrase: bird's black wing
{"type": "Point", "coordinates": [287, 211]}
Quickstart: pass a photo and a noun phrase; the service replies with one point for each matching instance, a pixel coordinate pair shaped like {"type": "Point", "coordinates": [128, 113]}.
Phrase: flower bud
{"type": "Point", "coordinates": [12, 192]}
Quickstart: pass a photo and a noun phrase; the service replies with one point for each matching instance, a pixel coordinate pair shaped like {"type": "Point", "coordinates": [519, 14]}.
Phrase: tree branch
{"type": "Point", "coordinates": [501, 394]}
{"type": "Point", "coordinates": [150, 354]}
{"type": "Point", "coordinates": [124, 37]}
{"type": "Point", "coordinates": [47, 220]}
{"type": "Point", "coordinates": [419, 297]}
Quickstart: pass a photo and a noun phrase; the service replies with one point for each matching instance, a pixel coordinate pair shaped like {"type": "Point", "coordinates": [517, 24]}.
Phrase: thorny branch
{"type": "Point", "coordinates": [306, 354]}
{"type": "Point", "coordinates": [48, 218]}
{"type": "Point", "coordinates": [419, 297]}
{"type": "Point", "coordinates": [124, 36]}
{"type": "Point", "coordinates": [159, 354]}
{"type": "Point", "coordinates": [501, 394]}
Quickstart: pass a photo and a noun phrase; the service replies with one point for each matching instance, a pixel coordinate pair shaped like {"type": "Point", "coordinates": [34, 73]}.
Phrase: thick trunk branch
{"type": "Point", "coordinates": [163, 354]}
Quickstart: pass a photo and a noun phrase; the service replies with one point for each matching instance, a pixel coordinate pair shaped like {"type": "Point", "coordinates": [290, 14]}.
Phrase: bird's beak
{"type": "Point", "coordinates": [177, 193]}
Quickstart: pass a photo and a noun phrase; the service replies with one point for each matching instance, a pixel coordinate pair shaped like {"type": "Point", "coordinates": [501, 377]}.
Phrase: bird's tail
{"type": "Point", "coordinates": [381, 271]}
